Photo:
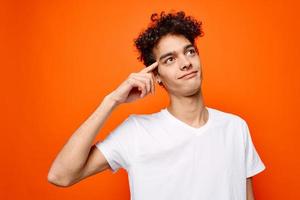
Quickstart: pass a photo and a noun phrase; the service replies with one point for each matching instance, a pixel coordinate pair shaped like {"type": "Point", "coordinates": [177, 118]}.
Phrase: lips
{"type": "Point", "coordinates": [187, 74]}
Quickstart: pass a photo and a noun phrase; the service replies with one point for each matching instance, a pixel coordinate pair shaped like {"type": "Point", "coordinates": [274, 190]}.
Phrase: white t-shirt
{"type": "Point", "coordinates": [167, 159]}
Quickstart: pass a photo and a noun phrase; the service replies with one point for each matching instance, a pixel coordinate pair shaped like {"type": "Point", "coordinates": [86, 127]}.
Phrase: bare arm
{"type": "Point", "coordinates": [78, 158]}
{"type": "Point", "coordinates": [250, 195]}
{"type": "Point", "coordinates": [70, 161]}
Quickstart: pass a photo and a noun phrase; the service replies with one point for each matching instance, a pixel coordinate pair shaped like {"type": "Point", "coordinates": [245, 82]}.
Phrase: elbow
{"type": "Point", "coordinates": [60, 182]}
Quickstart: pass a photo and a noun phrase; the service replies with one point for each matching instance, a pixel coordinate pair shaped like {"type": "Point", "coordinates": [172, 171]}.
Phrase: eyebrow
{"type": "Point", "coordinates": [171, 53]}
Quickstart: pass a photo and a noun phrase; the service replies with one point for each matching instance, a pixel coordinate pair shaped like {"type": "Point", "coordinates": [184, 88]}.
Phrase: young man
{"type": "Point", "coordinates": [186, 151]}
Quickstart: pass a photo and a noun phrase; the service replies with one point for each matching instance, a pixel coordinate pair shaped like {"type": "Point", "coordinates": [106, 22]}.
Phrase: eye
{"type": "Point", "coordinates": [191, 51]}
{"type": "Point", "coordinates": [169, 59]}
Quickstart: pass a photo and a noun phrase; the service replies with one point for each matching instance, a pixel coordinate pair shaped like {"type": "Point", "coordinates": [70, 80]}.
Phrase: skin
{"type": "Point", "coordinates": [78, 160]}
{"type": "Point", "coordinates": [185, 95]}
{"type": "Point", "coordinates": [249, 190]}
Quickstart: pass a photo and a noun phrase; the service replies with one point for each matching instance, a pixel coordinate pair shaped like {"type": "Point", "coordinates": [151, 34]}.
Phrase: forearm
{"type": "Point", "coordinates": [249, 185]}
{"type": "Point", "coordinates": [71, 159]}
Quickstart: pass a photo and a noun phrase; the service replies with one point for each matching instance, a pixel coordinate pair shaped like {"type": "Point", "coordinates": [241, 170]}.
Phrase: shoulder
{"type": "Point", "coordinates": [232, 123]}
{"type": "Point", "coordinates": [146, 119]}
{"type": "Point", "coordinates": [225, 117]}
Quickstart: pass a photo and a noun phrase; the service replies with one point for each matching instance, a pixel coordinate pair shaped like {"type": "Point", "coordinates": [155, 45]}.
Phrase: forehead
{"type": "Point", "coordinates": [170, 43]}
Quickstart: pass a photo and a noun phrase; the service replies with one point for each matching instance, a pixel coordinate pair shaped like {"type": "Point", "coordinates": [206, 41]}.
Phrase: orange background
{"type": "Point", "coordinates": [60, 58]}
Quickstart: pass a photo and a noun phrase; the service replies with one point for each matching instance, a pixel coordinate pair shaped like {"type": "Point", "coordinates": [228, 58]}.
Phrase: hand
{"type": "Point", "coordinates": [136, 86]}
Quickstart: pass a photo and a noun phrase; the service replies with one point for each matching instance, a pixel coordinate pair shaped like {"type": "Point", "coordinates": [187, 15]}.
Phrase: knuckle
{"type": "Point", "coordinates": [144, 86]}
{"type": "Point", "coordinates": [149, 85]}
{"type": "Point", "coordinates": [132, 74]}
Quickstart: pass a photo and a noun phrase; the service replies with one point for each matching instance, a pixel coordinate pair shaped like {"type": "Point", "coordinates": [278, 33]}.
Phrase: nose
{"type": "Point", "coordinates": [185, 63]}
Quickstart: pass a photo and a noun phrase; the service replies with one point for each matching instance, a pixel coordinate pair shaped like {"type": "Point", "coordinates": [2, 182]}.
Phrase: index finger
{"type": "Point", "coordinates": [150, 67]}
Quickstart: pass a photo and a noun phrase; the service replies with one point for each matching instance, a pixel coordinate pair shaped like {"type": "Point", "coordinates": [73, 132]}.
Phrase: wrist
{"type": "Point", "coordinates": [111, 100]}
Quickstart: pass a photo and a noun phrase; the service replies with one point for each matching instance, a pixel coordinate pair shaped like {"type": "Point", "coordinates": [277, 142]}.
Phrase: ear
{"type": "Point", "coordinates": [158, 80]}
{"type": "Point", "coordinates": [156, 76]}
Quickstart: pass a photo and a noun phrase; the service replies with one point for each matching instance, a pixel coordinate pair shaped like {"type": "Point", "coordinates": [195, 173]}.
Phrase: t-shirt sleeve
{"type": "Point", "coordinates": [118, 146]}
{"type": "Point", "coordinates": [253, 162]}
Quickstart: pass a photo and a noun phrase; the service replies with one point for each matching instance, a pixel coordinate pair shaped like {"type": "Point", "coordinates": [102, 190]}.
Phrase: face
{"type": "Point", "coordinates": [178, 57]}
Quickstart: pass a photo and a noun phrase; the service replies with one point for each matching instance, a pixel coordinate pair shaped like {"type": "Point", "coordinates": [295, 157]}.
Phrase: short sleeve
{"type": "Point", "coordinates": [118, 146]}
{"type": "Point", "coordinates": [253, 163]}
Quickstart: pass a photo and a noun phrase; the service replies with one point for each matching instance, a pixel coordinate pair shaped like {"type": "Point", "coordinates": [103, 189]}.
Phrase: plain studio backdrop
{"type": "Point", "coordinates": [60, 58]}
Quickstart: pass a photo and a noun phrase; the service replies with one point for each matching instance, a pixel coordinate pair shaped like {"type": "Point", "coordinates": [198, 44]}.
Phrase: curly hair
{"type": "Point", "coordinates": [172, 23]}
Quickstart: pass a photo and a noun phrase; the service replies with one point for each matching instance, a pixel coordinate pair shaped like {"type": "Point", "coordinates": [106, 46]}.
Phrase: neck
{"type": "Point", "coordinates": [191, 109]}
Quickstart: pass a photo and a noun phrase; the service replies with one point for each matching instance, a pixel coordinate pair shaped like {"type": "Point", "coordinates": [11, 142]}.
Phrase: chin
{"type": "Point", "coordinates": [190, 91]}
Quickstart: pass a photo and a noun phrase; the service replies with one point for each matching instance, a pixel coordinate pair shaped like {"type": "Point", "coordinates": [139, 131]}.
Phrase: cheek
{"type": "Point", "coordinates": [163, 72]}
{"type": "Point", "coordinates": [172, 77]}
{"type": "Point", "coordinates": [196, 60]}
{"type": "Point", "coordinates": [159, 70]}
{"type": "Point", "coordinates": [167, 75]}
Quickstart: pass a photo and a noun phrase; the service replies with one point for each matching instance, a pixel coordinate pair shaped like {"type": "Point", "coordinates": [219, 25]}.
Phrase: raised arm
{"type": "Point", "coordinates": [78, 158]}
{"type": "Point", "coordinates": [69, 165]}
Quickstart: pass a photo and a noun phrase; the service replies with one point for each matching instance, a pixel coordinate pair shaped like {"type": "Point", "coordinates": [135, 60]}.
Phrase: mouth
{"type": "Point", "coordinates": [187, 74]}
